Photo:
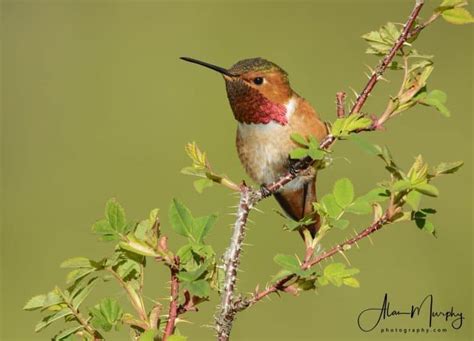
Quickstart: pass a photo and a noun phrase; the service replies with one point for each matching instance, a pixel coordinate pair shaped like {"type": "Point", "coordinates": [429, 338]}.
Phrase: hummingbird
{"type": "Point", "coordinates": [268, 111]}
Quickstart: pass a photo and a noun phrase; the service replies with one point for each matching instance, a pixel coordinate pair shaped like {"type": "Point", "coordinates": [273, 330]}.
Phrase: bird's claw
{"type": "Point", "coordinates": [265, 191]}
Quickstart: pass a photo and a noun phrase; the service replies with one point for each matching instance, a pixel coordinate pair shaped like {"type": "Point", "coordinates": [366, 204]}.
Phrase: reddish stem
{"type": "Point", "coordinates": [387, 59]}
{"type": "Point", "coordinates": [174, 295]}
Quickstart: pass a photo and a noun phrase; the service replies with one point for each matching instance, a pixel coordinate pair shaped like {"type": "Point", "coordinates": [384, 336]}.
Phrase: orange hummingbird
{"type": "Point", "coordinates": [268, 112]}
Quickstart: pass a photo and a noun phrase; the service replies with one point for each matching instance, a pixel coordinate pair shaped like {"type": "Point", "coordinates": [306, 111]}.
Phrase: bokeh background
{"type": "Point", "coordinates": [96, 104]}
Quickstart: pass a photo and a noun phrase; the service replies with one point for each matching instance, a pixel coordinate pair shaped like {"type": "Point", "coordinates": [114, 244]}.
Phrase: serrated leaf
{"type": "Point", "coordinates": [199, 288]}
{"type": "Point", "coordinates": [202, 226]}
{"type": "Point", "coordinates": [36, 302]}
{"type": "Point", "coordinates": [77, 262]}
{"type": "Point", "coordinates": [315, 153]}
{"type": "Point", "coordinates": [343, 192]}
{"type": "Point", "coordinates": [427, 189]}
{"type": "Point", "coordinates": [458, 16]}
{"type": "Point", "coordinates": [453, 3]}
{"type": "Point", "coordinates": [448, 167]}
{"type": "Point", "coordinates": [181, 218]}
{"type": "Point", "coordinates": [138, 246]}
{"type": "Point", "coordinates": [351, 282]}
{"type": "Point", "coordinates": [201, 184]}
{"type": "Point", "coordinates": [83, 293]}
{"type": "Point", "coordinates": [299, 139]}
{"type": "Point", "coordinates": [289, 263]}
{"type": "Point", "coordinates": [413, 199]}
{"type": "Point", "coordinates": [340, 224]}
{"type": "Point", "coordinates": [299, 153]}
{"type": "Point", "coordinates": [46, 321]}
{"type": "Point", "coordinates": [106, 314]}
{"type": "Point", "coordinates": [78, 274]}
{"type": "Point", "coordinates": [115, 215]}
{"type": "Point", "coordinates": [149, 335]}
{"type": "Point", "coordinates": [103, 228]}
{"type": "Point", "coordinates": [359, 206]}
{"type": "Point", "coordinates": [331, 206]}
{"type": "Point", "coordinates": [401, 185]}
{"type": "Point", "coordinates": [62, 335]}
{"type": "Point", "coordinates": [375, 195]}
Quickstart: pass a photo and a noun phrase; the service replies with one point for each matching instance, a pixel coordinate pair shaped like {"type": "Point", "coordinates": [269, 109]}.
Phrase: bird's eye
{"type": "Point", "coordinates": [258, 80]}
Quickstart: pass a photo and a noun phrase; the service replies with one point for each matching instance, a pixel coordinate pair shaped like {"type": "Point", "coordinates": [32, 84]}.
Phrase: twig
{"type": "Point", "coordinates": [340, 97]}
{"type": "Point", "coordinates": [385, 62]}
{"type": "Point", "coordinates": [135, 299]}
{"type": "Point", "coordinates": [340, 248]}
{"type": "Point", "coordinates": [174, 296]}
{"type": "Point", "coordinates": [83, 321]}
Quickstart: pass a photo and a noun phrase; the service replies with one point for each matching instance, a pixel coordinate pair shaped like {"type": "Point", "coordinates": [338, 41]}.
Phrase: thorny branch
{"type": "Point", "coordinates": [250, 197]}
{"type": "Point", "coordinates": [174, 296]}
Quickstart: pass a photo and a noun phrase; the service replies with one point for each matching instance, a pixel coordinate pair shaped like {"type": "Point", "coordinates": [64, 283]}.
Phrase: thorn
{"type": "Point", "coordinates": [345, 257]}
{"type": "Point", "coordinates": [257, 209]}
{"type": "Point", "coordinates": [370, 239]}
{"type": "Point", "coordinates": [355, 92]}
{"type": "Point", "coordinates": [370, 68]}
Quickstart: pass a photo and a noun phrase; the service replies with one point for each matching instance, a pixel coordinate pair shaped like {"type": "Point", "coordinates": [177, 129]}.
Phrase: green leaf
{"type": "Point", "coordinates": [437, 99]}
{"type": "Point", "coordinates": [375, 195]}
{"type": "Point", "coordinates": [138, 246]}
{"type": "Point", "coordinates": [453, 3]}
{"type": "Point", "coordinates": [103, 228]}
{"type": "Point", "coordinates": [401, 185]}
{"type": "Point", "coordinates": [337, 272]}
{"type": "Point", "coordinates": [83, 293]}
{"type": "Point", "coordinates": [190, 276]}
{"type": "Point", "coordinates": [316, 153]}
{"type": "Point", "coordinates": [289, 263]}
{"type": "Point", "coordinates": [106, 314]}
{"type": "Point", "coordinates": [199, 288]}
{"type": "Point", "coordinates": [35, 302]}
{"type": "Point", "coordinates": [343, 192]}
{"type": "Point", "coordinates": [78, 274]}
{"type": "Point", "coordinates": [427, 189]}
{"type": "Point", "coordinates": [298, 153]}
{"type": "Point", "coordinates": [201, 184]}
{"type": "Point", "coordinates": [78, 262]}
{"type": "Point", "coordinates": [180, 218]}
{"type": "Point", "coordinates": [359, 206]}
{"type": "Point", "coordinates": [351, 282]}
{"type": "Point", "coordinates": [458, 16]}
{"type": "Point", "coordinates": [115, 216]}
{"type": "Point", "coordinates": [341, 224]}
{"type": "Point", "coordinates": [53, 298]}
{"type": "Point", "coordinates": [46, 321]}
{"type": "Point", "coordinates": [299, 139]}
{"type": "Point", "coordinates": [202, 226]}
{"type": "Point", "coordinates": [149, 335]}
{"type": "Point", "coordinates": [413, 199]}
{"type": "Point", "coordinates": [448, 167]}
{"type": "Point", "coordinates": [331, 206]}
{"type": "Point", "coordinates": [67, 332]}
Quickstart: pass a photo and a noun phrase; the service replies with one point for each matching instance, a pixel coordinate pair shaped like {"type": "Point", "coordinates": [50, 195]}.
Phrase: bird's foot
{"type": "Point", "coordinates": [265, 191]}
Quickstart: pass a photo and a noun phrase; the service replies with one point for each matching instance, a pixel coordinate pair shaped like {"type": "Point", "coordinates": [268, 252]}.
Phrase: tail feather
{"type": "Point", "coordinates": [298, 203]}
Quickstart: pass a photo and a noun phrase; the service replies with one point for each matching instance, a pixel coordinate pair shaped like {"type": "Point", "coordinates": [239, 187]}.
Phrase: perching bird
{"type": "Point", "coordinates": [268, 111]}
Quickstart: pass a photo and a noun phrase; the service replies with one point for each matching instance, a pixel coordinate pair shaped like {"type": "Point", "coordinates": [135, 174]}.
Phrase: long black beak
{"type": "Point", "coordinates": [209, 66]}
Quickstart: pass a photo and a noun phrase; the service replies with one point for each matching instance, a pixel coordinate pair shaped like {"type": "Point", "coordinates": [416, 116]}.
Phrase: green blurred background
{"type": "Point", "coordinates": [96, 104]}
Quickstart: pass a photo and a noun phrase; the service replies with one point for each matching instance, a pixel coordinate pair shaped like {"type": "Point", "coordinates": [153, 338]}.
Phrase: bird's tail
{"type": "Point", "coordinates": [298, 203]}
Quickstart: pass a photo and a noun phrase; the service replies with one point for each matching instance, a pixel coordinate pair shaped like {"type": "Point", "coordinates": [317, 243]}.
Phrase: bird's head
{"type": "Point", "coordinates": [258, 90]}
